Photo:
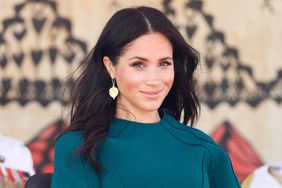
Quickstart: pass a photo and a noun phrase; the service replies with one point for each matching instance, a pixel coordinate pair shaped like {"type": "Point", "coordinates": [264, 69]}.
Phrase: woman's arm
{"type": "Point", "coordinates": [221, 170]}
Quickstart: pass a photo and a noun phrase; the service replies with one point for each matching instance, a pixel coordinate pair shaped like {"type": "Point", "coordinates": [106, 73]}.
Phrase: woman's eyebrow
{"type": "Point", "coordinates": [138, 57]}
{"type": "Point", "coordinates": [166, 58]}
{"type": "Point", "coordinates": [145, 59]}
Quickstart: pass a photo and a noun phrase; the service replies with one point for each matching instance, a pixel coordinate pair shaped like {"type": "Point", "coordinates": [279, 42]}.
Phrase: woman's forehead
{"type": "Point", "coordinates": [152, 44]}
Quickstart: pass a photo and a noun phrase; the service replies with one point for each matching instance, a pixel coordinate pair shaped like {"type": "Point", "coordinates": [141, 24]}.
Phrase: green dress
{"type": "Point", "coordinates": [166, 154]}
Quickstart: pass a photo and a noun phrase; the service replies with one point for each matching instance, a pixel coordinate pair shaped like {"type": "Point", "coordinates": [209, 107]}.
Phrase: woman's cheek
{"type": "Point", "coordinates": [128, 82]}
{"type": "Point", "coordinates": [168, 78]}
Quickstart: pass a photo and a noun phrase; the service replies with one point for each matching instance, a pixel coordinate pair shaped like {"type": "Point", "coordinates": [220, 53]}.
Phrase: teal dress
{"type": "Point", "coordinates": [166, 154]}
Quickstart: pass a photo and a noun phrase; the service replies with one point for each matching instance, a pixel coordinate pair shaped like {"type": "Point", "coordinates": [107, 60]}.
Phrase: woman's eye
{"type": "Point", "coordinates": [165, 63]}
{"type": "Point", "coordinates": [137, 65]}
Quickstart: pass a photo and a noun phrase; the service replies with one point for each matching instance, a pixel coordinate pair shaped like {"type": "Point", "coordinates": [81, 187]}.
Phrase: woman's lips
{"type": "Point", "coordinates": [151, 93]}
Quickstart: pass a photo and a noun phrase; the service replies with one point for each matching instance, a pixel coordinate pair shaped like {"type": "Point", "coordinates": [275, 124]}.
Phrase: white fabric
{"type": "Point", "coordinates": [16, 154]}
{"type": "Point", "coordinates": [263, 179]}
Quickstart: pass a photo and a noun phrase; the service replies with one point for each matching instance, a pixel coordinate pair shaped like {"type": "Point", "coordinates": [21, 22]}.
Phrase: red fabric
{"type": "Point", "coordinates": [10, 175]}
{"type": "Point", "coordinates": [42, 147]}
{"type": "Point", "coordinates": [244, 158]}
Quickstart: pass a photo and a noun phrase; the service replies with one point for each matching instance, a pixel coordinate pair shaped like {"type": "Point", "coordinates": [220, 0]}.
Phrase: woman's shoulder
{"type": "Point", "coordinates": [193, 135]}
{"type": "Point", "coordinates": [69, 141]}
{"type": "Point", "coordinates": [71, 136]}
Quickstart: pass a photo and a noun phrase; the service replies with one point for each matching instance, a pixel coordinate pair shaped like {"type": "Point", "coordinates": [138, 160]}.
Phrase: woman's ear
{"type": "Point", "coordinates": [109, 66]}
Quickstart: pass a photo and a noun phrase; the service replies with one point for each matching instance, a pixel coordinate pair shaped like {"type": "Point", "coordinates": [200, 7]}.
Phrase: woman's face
{"type": "Point", "coordinates": [144, 73]}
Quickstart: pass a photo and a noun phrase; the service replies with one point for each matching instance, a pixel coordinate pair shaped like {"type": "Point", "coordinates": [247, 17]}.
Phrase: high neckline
{"type": "Point", "coordinates": [136, 123]}
{"type": "Point", "coordinates": [118, 125]}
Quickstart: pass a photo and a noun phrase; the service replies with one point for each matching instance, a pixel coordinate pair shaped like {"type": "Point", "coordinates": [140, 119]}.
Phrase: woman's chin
{"type": "Point", "coordinates": [152, 106]}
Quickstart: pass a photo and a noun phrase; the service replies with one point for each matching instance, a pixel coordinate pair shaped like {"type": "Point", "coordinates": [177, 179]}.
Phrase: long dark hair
{"type": "Point", "coordinates": [92, 108]}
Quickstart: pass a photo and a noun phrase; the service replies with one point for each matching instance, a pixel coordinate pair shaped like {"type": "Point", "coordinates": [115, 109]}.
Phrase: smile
{"type": "Point", "coordinates": [151, 93]}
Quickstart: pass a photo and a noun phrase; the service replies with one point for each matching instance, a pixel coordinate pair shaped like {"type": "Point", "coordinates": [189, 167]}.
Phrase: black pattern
{"type": "Point", "coordinates": [61, 47]}
{"type": "Point", "coordinates": [230, 79]}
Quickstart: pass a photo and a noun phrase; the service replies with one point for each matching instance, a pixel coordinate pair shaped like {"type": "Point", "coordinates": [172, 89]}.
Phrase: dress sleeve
{"type": "Point", "coordinates": [70, 169]}
{"type": "Point", "coordinates": [221, 170]}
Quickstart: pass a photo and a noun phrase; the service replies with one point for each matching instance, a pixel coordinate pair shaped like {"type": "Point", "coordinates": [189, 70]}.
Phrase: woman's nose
{"type": "Point", "coordinates": [153, 77]}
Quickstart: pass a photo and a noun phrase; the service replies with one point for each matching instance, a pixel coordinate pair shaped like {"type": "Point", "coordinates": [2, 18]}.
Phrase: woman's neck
{"type": "Point", "coordinates": [144, 117]}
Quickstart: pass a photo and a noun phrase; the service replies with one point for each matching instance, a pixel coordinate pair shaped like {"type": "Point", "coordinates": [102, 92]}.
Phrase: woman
{"type": "Point", "coordinates": [125, 132]}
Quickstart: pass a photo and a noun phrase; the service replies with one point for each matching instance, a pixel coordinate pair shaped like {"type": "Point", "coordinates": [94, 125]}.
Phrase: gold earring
{"type": "Point", "coordinates": [113, 91]}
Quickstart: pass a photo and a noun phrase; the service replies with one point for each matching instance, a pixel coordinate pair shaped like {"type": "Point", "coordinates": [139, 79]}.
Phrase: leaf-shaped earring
{"type": "Point", "coordinates": [113, 91]}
